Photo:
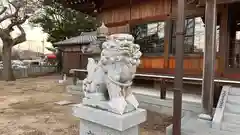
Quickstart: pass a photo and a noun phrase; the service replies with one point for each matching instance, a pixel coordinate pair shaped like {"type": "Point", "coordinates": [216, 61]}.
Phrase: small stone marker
{"type": "Point", "coordinates": [64, 79]}
{"type": "Point", "coordinates": [64, 102]}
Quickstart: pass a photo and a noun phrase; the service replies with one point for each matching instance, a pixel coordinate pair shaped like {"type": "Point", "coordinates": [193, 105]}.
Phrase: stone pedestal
{"type": "Point", "coordinates": [99, 122]}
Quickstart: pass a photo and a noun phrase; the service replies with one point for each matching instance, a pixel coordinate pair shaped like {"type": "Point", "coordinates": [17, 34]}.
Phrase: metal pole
{"type": "Point", "coordinates": [179, 57]}
{"type": "Point", "coordinates": [209, 58]}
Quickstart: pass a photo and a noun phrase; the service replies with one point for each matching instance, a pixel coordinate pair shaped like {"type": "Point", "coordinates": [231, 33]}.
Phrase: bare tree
{"type": "Point", "coordinates": [16, 12]}
{"type": "Point", "coordinates": [15, 54]}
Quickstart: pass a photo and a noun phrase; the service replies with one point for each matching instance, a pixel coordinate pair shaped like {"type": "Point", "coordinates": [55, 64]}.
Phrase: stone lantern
{"type": "Point", "coordinates": [102, 33]}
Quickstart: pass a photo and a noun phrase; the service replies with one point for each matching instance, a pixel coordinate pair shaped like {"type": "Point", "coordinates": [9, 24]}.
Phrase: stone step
{"type": "Point", "coordinates": [234, 91]}
{"type": "Point", "coordinates": [231, 118]}
{"type": "Point", "coordinates": [215, 132]}
{"type": "Point", "coordinates": [226, 126]}
{"type": "Point", "coordinates": [233, 99]}
{"type": "Point", "coordinates": [232, 108]}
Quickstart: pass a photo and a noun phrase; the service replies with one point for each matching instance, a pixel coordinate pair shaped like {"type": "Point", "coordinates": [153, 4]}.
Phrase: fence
{"type": "Point", "coordinates": [31, 71]}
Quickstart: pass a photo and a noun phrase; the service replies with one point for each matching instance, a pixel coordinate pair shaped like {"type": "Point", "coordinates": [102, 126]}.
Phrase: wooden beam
{"type": "Point", "coordinates": [137, 21]}
{"type": "Point", "coordinates": [209, 57]}
{"type": "Point", "coordinates": [191, 10]}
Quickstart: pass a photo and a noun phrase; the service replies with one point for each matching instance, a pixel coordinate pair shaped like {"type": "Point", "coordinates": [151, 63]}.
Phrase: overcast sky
{"type": "Point", "coordinates": [36, 39]}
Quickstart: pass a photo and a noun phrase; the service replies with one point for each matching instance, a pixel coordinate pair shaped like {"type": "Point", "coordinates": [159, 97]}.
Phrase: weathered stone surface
{"type": "Point", "coordinates": [226, 120]}
{"type": "Point", "coordinates": [112, 76]}
{"type": "Point", "coordinates": [90, 128]}
{"type": "Point", "coordinates": [102, 122]}
{"type": "Point", "coordinates": [109, 107]}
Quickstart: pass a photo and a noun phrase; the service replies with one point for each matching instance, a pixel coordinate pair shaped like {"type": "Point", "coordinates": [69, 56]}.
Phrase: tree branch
{"type": "Point", "coordinates": [4, 36]}
{"type": "Point", "coordinates": [17, 22]}
{"type": "Point", "coordinates": [21, 38]}
{"type": "Point", "coordinates": [3, 10]}
{"type": "Point", "coordinates": [15, 14]}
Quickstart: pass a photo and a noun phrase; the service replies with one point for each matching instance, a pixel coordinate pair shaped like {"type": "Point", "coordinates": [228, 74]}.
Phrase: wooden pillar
{"type": "Point", "coordinates": [178, 81]}
{"type": "Point", "coordinates": [223, 40]}
{"type": "Point", "coordinates": [232, 36]}
{"type": "Point", "coordinates": [167, 41]}
{"type": "Point", "coordinates": [209, 57]}
{"type": "Point", "coordinates": [64, 67]}
{"type": "Point", "coordinates": [163, 87]}
{"type": "Point", "coordinates": [74, 78]}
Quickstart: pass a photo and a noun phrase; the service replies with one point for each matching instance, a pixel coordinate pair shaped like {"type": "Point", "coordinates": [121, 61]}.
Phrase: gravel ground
{"type": "Point", "coordinates": [27, 107]}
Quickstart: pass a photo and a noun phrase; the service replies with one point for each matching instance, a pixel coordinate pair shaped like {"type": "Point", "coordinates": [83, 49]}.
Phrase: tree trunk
{"type": "Point", "coordinates": [7, 64]}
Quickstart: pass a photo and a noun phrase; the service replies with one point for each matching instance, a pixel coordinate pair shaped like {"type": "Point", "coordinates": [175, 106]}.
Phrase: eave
{"type": "Point", "coordinates": [94, 6]}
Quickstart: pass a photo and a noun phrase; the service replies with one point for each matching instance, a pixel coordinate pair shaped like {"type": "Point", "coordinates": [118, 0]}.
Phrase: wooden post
{"type": "Point", "coordinates": [209, 58]}
{"type": "Point", "coordinates": [178, 82]}
{"type": "Point", "coordinates": [163, 91]}
{"type": "Point", "coordinates": [75, 78]}
{"type": "Point", "coordinates": [223, 40]}
{"type": "Point", "coordinates": [167, 41]}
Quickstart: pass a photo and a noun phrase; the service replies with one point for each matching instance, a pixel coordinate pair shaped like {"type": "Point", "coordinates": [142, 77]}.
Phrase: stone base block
{"type": "Point", "coordinates": [99, 122]}
{"type": "Point", "coordinates": [104, 105]}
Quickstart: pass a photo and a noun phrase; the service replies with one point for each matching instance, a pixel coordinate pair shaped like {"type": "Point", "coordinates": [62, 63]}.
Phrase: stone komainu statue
{"type": "Point", "coordinates": [108, 83]}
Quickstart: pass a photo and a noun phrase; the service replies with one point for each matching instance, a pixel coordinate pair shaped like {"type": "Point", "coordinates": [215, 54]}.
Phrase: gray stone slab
{"type": "Point", "coordinates": [232, 127]}
{"type": "Point", "coordinates": [214, 132]}
{"type": "Point", "coordinates": [164, 105]}
{"type": "Point", "coordinates": [192, 125]}
{"type": "Point", "coordinates": [232, 108]}
{"type": "Point", "coordinates": [234, 91]}
{"type": "Point", "coordinates": [90, 128]}
{"type": "Point", "coordinates": [184, 129]}
{"type": "Point", "coordinates": [105, 105]}
{"type": "Point", "coordinates": [219, 112]}
{"type": "Point", "coordinates": [108, 119]}
{"type": "Point", "coordinates": [233, 99]}
{"type": "Point", "coordinates": [231, 118]}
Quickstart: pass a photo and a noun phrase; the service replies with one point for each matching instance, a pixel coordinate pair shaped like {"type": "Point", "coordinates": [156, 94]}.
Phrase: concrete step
{"type": "Point", "coordinates": [232, 108]}
{"type": "Point", "coordinates": [234, 99]}
{"type": "Point", "coordinates": [226, 126]}
{"type": "Point", "coordinates": [231, 118]}
{"type": "Point", "coordinates": [215, 132]}
{"type": "Point", "coordinates": [234, 91]}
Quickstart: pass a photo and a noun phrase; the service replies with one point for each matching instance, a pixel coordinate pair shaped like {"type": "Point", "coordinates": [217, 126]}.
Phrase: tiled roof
{"type": "Point", "coordinates": [83, 39]}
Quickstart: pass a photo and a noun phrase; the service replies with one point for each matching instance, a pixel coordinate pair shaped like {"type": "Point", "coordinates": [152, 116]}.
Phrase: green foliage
{"type": "Point", "coordinates": [61, 23]}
